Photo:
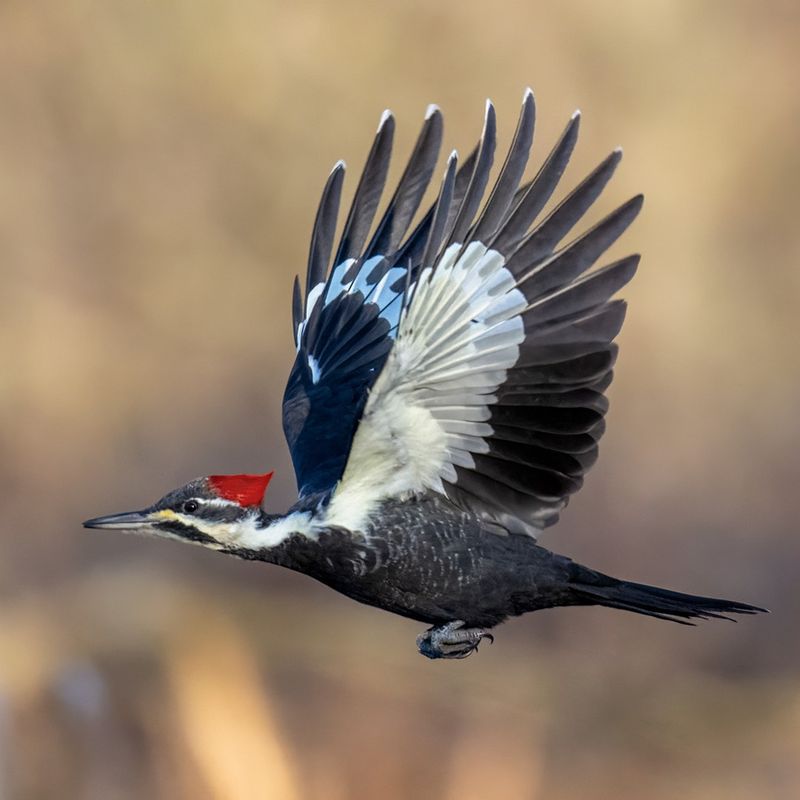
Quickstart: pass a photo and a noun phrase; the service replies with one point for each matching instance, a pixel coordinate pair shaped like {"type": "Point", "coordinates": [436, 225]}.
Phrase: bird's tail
{"type": "Point", "coordinates": [593, 588]}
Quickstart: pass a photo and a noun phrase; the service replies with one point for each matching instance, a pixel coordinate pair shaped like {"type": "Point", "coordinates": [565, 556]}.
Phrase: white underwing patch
{"type": "Point", "coordinates": [428, 410]}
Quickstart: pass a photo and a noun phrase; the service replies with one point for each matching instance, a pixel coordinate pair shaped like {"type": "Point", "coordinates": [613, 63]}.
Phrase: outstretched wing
{"type": "Point", "coordinates": [344, 327]}
{"type": "Point", "coordinates": [492, 392]}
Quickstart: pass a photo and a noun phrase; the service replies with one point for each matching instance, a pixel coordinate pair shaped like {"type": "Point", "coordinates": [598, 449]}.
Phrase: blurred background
{"type": "Point", "coordinates": [160, 167]}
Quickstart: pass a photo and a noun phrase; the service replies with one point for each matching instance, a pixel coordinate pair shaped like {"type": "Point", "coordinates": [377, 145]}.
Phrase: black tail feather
{"type": "Point", "coordinates": [594, 588]}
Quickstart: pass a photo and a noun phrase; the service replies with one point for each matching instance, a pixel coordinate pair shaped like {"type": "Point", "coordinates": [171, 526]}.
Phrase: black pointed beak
{"type": "Point", "coordinates": [130, 521]}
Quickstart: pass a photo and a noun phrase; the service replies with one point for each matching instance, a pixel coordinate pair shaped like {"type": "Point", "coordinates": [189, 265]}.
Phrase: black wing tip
{"type": "Point", "coordinates": [297, 305]}
{"type": "Point", "coordinates": [570, 132]}
{"type": "Point", "coordinates": [489, 132]}
{"type": "Point", "coordinates": [528, 99]}
{"type": "Point", "coordinates": [628, 265]}
{"type": "Point", "coordinates": [621, 217]}
{"type": "Point", "coordinates": [333, 185]}
{"type": "Point", "coordinates": [620, 272]}
{"type": "Point", "coordinates": [433, 121]}
{"type": "Point", "coordinates": [324, 229]}
{"type": "Point", "coordinates": [527, 114]}
{"type": "Point", "coordinates": [432, 111]}
{"type": "Point", "coordinates": [433, 124]}
{"type": "Point", "coordinates": [612, 159]}
{"type": "Point", "coordinates": [618, 306]}
{"type": "Point", "coordinates": [387, 120]}
{"type": "Point", "coordinates": [627, 268]}
{"type": "Point", "coordinates": [490, 116]}
{"type": "Point", "coordinates": [636, 202]}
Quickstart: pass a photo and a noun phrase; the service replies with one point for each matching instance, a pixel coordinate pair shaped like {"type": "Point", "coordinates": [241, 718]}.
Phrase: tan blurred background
{"type": "Point", "coordinates": [160, 164]}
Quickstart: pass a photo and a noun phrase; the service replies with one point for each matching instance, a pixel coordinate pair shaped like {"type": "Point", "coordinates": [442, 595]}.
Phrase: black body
{"type": "Point", "coordinates": [430, 561]}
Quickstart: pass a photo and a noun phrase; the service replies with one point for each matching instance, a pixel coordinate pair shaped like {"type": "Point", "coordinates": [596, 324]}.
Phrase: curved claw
{"type": "Point", "coordinates": [452, 640]}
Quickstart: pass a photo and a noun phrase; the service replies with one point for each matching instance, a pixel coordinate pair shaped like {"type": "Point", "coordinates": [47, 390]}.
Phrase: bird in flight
{"type": "Point", "coordinates": [447, 397]}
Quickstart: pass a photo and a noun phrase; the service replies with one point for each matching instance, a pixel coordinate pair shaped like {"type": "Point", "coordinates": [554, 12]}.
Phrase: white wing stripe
{"type": "Point", "coordinates": [475, 444]}
{"type": "Point", "coordinates": [467, 413]}
{"type": "Point", "coordinates": [499, 343]}
{"type": "Point", "coordinates": [460, 426]}
{"type": "Point", "coordinates": [381, 293]}
{"type": "Point", "coordinates": [486, 382]}
{"type": "Point", "coordinates": [434, 398]}
{"type": "Point", "coordinates": [337, 285]}
{"type": "Point", "coordinates": [460, 458]}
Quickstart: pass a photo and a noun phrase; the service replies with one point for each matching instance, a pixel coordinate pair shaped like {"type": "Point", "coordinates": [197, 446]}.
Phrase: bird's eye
{"type": "Point", "coordinates": [190, 506]}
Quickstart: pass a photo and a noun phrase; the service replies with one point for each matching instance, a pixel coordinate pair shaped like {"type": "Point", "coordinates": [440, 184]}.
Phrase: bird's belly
{"type": "Point", "coordinates": [423, 576]}
{"type": "Point", "coordinates": [419, 593]}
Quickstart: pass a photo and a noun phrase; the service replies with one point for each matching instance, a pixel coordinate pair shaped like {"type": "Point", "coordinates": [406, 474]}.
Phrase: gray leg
{"type": "Point", "coordinates": [452, 640]}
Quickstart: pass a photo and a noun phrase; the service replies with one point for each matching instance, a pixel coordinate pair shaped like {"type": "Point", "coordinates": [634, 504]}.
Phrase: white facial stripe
{"type": "Point", "coordinates": [216, 501]}
{"type": "Point", "coordinates": [228, 534]}
{"type": "Point", "coordinates": [222, 532]}
{"type": "Point", "coordinates": [251, 537]}
{"type": "Point", "coordinates": [243, 533]}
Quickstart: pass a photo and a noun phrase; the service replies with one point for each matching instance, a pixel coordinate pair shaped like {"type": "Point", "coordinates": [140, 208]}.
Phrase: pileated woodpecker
{"type": "Point", "coordinates": [447, 397]}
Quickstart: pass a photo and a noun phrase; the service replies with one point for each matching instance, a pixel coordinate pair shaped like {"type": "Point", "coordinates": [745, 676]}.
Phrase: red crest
{"type": "Point", "coordinates": [246, 490]}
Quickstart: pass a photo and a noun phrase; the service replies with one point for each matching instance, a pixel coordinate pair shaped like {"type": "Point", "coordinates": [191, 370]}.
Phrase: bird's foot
{"type": "Point", "coordinates": [452, 640]}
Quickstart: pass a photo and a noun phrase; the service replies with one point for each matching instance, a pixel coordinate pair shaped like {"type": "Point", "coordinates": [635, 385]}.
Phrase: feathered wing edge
{"type": "Point", "coordinates": [505, 339]}
{"type": "Point", "coordinates": [518, 465]}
